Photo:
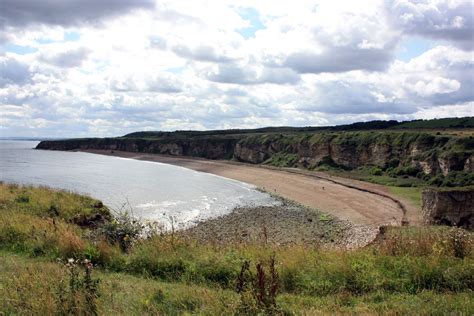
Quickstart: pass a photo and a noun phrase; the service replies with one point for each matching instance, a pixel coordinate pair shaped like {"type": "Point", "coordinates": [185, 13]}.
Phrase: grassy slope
{"type": "Point", "coordinates": [30, 285]}
{"type": "Point", "coordinates": [170, 274]}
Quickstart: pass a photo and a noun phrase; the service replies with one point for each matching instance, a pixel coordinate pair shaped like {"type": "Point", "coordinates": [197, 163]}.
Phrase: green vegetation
{"type": "Point", "coordinates": [463, 122]}
{"type": "Point", "coordinates": [430, 268]}
{"type": "Point", "coordinates": [458, 123]}
{"type": "Point", "coordinates": [282, 160]}
{"type": "Point", "coordinates": [413, 194]}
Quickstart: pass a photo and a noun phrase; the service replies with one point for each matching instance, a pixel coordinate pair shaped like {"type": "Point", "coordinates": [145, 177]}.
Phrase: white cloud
{"type": "Point", "coordinates": [184, 65]}
{"type": "Point", "coordinates": [436, 85]}
{"type": "Point", "coordinates": [13, 71]}
{"type": "Point", "coordinates": [66, 58]}
{"type": "Point", "coordinates": [450, 20]}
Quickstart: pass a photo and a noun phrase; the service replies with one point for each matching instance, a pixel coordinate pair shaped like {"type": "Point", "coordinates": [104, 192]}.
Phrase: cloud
{"type": "Point", "coordinates": [248, 75]}
{"type": "Point", "coordinates": [21, 13]}
{"type": "Point", "coordinates": [440, 76]}
{"type": "Point", "coordinates": [201, 53]}
{"type": "Point", "coordinates": [123, 84]}
{"type": "Point", "coordinates": [436, 85]}
{"type": "Point", "coordinates": [450, 20]}
{"type": "Point", "coordinates": [181, 64]}
{"type": "Point", "coordinates": [329, 38]}
{"type": "Point", "coordinates": [68, 58]}
{"type": "Point", "coordinates": [352, 97]}
{"type": "Point", "coordinates": [339, 60]}
{"type": "Point", "coordinates": [164, 84]}
{"type": "Point", "coordinates": [13, 72]}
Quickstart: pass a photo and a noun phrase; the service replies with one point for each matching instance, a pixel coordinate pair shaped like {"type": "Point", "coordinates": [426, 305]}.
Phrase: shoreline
{"type": "Point", "coordinates": [281, 225]}
{"type": "Point", "coordinates": [358, 202]}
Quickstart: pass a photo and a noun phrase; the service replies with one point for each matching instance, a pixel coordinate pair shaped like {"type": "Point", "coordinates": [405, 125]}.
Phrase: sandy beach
{"type": "Point", "coordinates": [358, 202]}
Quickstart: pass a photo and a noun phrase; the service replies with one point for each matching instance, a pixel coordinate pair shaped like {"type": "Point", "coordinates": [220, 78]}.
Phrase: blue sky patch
{"type": "Point", "coordinates": [253, 17]}
{"type": "Point", "coordinates": [44, 41]}
{"type": "Point", "coordinates": [71, 36]}
{"type": "Point", "coordinates": [67, 37]}
{"type": "Point", "coordinates": [175, 70]}
{"type": "Point", "coordinates": [19, 49]}
{"type": "Point", "coordinates": [412, 47]}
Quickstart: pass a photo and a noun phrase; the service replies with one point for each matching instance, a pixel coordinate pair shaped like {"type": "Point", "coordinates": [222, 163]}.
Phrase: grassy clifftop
{"type": "Point", "coordinates": [430, 268]}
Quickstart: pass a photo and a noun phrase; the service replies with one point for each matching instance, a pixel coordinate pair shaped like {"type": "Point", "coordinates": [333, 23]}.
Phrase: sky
{"type": "Point", "coordinates": [75, 68]}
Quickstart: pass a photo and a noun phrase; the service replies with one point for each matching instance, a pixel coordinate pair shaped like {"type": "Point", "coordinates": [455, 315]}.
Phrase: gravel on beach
{"type": "Point", "coordinates": [288, 223]}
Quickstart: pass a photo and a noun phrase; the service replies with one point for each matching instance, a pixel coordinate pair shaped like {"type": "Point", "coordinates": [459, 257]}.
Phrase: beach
{"type": "Point", "coordinates": [365, 206]}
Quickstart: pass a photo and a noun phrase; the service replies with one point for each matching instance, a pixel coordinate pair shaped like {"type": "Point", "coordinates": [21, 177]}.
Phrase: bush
{"type": "Point", "coordinates": [404, 171]}
{"type": "Point", "coordinates": [123, 230]}
{"type": "Point", "coordinates": [393, 163]}
{"type": "Point", "coordinates": [375, 171]}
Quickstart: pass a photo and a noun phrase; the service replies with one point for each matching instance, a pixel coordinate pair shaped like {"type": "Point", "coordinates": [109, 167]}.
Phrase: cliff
{"type": "Point", "coordinates": [424, 152]}
{"type": "Point", "coordinates": [449, 207]}
{"type": "Point", "coordinates": [395, 152]}
{"type": "Point", "coordinates": [219, 148]}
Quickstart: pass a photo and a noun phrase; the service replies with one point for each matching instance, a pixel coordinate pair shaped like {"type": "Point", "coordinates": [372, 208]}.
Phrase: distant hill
{"type": "Point", "coordinates": [462, 122]}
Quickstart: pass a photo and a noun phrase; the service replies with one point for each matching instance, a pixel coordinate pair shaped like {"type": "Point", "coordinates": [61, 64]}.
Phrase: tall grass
{"type": "Point", "coordinates": [406, 264]}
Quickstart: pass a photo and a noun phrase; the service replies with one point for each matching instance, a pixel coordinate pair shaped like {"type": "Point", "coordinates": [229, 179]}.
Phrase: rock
{"type": "Point", "coordinates": [449, 207]}
{"type": "Point", "coordinates": [469, 164]}
{"type": "Point", "coordinates": [98, 204]}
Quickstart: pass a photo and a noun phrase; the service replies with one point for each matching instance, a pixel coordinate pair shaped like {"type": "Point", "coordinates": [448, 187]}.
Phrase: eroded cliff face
{"type": "Point", "coordinates": [211, 149]}
{"type": "Point", "coordinates": [453, 208]}
{"type": "Point", "coordinates": [428, 153]}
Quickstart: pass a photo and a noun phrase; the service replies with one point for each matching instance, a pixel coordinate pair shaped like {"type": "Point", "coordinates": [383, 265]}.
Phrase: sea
{"type": "Point", "coordinates": [168, 195]}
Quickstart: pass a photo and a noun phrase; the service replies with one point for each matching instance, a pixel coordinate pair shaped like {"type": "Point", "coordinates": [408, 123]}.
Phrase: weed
{"type": "Point", "coordinates": [258, 291]}
{"type": "Point", "coordinates": [460, 243]}
{"type": "Point", "coordinates": [78, 296]}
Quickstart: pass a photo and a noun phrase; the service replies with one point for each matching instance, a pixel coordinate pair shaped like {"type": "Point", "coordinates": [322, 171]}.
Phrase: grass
{"type": "Point", "coordinates": [430, 268]}
{"type": "Point", "coordinates": [358, 174]}
{"type": "Point", "coordinates": [412, 194]}
{"type": "Point", "coordinates": [30, 286]}
{"type": "Point", "coordinates": [46, 202]}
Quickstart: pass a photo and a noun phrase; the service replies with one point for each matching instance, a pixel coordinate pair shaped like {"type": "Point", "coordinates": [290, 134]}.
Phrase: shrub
{"type": "Point", "coordinates": [123, 230]}
{"type": "Point", "coordinates": [22, 198]}
{"type": "Point", "coordinates": [393, 163]}
{"type": "Point", "coordinates": [376, 171]}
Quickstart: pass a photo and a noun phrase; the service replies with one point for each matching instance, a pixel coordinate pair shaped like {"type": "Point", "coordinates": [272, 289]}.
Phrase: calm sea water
{"type": "Point", "coordinates": [153, 191]}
